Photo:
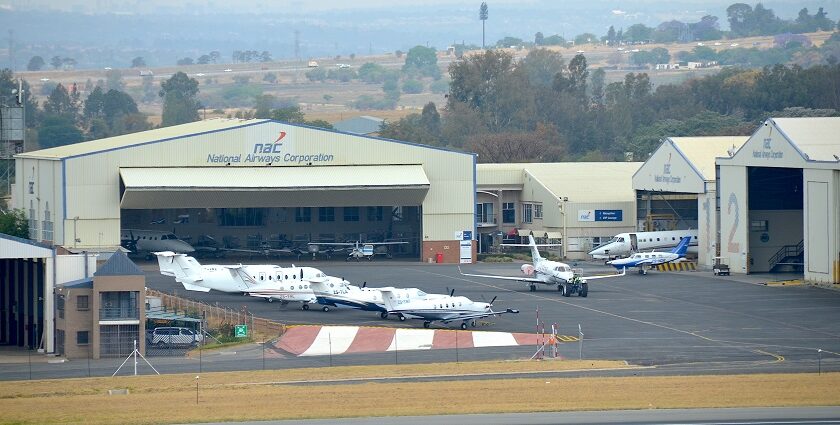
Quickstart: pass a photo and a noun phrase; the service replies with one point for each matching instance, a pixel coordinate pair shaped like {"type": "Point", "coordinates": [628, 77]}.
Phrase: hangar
{"type": "Point", "coordinates": [675, 188]}
{"type": "Point", "coordinates": [250, 183]}
{"type": "Point", "coordinates": [779, 200]}
{"type": "Point", "coordinates": [589, 201]}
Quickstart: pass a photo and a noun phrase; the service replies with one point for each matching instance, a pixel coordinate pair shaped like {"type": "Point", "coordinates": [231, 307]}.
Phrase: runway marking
{"type": "Point", "coordinates": [618, 316]}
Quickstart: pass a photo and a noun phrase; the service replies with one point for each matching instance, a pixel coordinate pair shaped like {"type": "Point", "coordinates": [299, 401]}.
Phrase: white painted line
{"type": "Point", "coordinates": [412, 339]}
{"type": "Point", "coordinates": [332, 339]}
{"type": "Point", "coordinates": [493, 339]}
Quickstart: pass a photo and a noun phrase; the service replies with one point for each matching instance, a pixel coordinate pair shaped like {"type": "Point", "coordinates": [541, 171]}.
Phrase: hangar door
{"type": "Point", "coordinates": [776, 235]}
{"type": "Point", "coordinates": [279, 207]}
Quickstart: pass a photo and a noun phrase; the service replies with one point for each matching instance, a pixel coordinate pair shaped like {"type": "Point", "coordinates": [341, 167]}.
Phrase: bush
{"type": "Point", "coordinates": [412, 87]}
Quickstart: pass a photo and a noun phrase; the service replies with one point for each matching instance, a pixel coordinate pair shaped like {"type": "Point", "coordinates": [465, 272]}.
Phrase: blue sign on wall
{"type": "Point", "coordinates": [467, 235]}
{"type": "Point", "coordinates": [609, 215]}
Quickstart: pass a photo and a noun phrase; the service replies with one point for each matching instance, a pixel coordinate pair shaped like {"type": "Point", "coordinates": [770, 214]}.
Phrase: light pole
{"type": "Point", "coordinates": [562, 206]}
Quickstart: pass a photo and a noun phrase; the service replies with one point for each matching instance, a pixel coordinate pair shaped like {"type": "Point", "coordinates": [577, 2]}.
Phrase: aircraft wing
{"type": "Point", "coordinates": [490, 276]}
{"type": "Point", "coordinates": [191, 287]}
{"type": "Point", "coordinates": [605, 276]}
{"type": "Point", "coordinates": [480, 315]}
{"type": "Point", "coordinates": [332, 243]}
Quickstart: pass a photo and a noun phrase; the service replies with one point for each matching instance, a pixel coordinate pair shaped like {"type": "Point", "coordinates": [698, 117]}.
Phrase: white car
{"type": "Point", "coordinates": [580, 51]}
{"type": "Point", "coordinates": [717, 43]}
{"type": "Point", "coordinates": [228, 70]}
{"type": "Point", "coordinates": [172, 336]}
{"type": "Point", "coordinates": [108, 68]}
{"type": "Point", "coordinates": [343, 65]}
{"type": "Point", "coordinates": [200, 74]}
{"type": "Point", "coordinates": [45, 79]}
{"type": "Point", "coordinates": [733, 45]}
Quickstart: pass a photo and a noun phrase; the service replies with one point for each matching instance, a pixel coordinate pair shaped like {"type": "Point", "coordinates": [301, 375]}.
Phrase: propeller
{"type": "Point", "coordinates": [364, 284]}
{"type": "Point", "coordinates": [494, 299]}
{"type": "Point", "coordinates": [452, 292]}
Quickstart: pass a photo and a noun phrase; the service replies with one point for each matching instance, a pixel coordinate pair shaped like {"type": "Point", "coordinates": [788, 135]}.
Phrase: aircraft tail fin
{"type": "Point", "coordinates": [682, 247]}
{"type": "Point", "coordinates": [535, 253]}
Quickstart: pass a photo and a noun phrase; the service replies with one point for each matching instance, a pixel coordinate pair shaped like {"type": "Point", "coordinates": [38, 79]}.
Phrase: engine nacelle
{"type": "Point", "coordinates": [528, 269]}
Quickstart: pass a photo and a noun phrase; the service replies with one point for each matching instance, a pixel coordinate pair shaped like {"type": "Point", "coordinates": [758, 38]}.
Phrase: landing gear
{"type": "Point", "coordinates": [383, 315]}
{"type": "Point", "coordinates": [533, 288]}
{"type": "Point", "coordinates": [325, 308]}
{"type": "Point", "coordinates": [464, 325]}
{"type": "Point", "coordinates": [270, 300]}
{"type": "Point", "coordinates": [472, 323]}
{"type": "Point", "coordinates": [426, 324]}
{"type": "Point", "coordinates": [305, 306]}
{"type": "Point", "coordinates": [642, 270]}
{"type": "Point", "coordinates": [402, 318]}
{"type": "Point", "coordinates": [584, 290]}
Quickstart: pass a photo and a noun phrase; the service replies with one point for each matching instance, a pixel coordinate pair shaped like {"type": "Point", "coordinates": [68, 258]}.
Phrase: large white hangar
{"type": "Point", "coordinates": [780, 200]}
{"type": "Point", "coordinates": [250, 183]}
{"type": "Point", "coordinates": [675, 188]}
{"type": "Point", "coordinates": [581, 204]}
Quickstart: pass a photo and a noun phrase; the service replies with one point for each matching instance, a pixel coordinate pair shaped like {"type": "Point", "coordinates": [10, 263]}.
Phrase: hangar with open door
{"type": "Point", "coordinates": [675, 189]}
{"type": "Point", "coordinates": [253, 184]}
{"type": "Point", "coordinates": [780, 200]}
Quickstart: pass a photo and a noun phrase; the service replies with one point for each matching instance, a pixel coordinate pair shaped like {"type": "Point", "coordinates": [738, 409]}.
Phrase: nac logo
{"type": "Point", "coordinates": [274, 147]}
{"type": "Point", "coordinates": [666, 169]}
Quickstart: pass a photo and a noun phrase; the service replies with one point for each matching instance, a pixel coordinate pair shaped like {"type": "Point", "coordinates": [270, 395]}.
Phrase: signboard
{"type": "Point", "coordinates": [600, 215]}
{"type": "Point", "coordinates": [240, 331]}
{"type": "Point", "coordinates": [466, 252]}
{"type": "Point", "coordinates": [467, 235]}
{"type": "Point", "coordinates": [609, 215]}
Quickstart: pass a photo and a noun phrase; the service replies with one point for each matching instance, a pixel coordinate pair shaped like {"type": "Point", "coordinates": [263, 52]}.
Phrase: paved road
{"type": "Point", "coordinates": [790, 416]}
{"type": "Point", "coordinates": [678, 322]}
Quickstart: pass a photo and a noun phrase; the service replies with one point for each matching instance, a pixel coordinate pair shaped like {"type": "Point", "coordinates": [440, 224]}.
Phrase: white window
{"type": "Point", "coordinates": [538, 211]}
{"type": "Point", "coordinates": [527, 213]}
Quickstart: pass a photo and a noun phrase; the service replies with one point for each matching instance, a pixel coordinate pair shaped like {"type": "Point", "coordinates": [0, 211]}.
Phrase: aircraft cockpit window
{"type": "Point", "coordinates": [306, 286]}
{"type": "Point", "coordinates": [619, 239]}
{"type": "Point", "coordinates": [331, 285]}
{"type": "Point", "coordinates": [278, 277]}
{"type": "Point", "coordinates": [421, 293]}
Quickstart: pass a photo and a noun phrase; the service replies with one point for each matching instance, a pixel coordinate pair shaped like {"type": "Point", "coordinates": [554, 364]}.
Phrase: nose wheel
{"type": "Point", "coordinates": [383, 315]}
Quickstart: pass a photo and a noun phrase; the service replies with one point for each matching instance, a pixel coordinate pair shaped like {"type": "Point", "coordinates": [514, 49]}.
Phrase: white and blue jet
{"type": "Point", "coordinates": [646, 260]}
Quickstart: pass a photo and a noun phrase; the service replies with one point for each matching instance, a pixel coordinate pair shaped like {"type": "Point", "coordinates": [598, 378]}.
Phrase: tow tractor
{"type": "Point", "coordinates": [720, 268]}
{"type": "Point", "coordinates": [575, 286]}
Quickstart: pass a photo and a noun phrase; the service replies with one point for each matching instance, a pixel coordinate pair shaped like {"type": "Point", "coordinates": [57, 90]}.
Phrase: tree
{"type": "Point", "coordinates": [215, 56]}
{"type": "Point", "coordinates": [113, 80]}
{"type": "Point", "coordinates": [270, 77]}
{"type": "Point", "coordinates": [638, 32]}
{"type": "Point", "coordinates": [265, 56]}
{"type": "Point", "coordinates": [56, 62]}
{"type": "Point", "coordinates": [58, 130]}
{"type": "Point", "coordinates": [60, 103]}
{"type": "Point", "coordinates": [35, 64]}
{"type": "Point", "coordinates": [179, 100]}
{"type": "Point", "coordinates": [263, 105]}
{"type": "Point", "coordinates": [421, 60]}
{"type": "Point", "coordinates": [610, 38]}
{"type": "Point", "coordinates": [739, 16]}
{"type": "Point", "coordinates": [14, 223]}
{"type": "Point", "coordinates": [203, 60]}
{"type": "Point", "coordinates": [412, 86]}
{"type": "Point", "coordinates": [539, 39]}
{"type": "Point", "coordinates": [509, 42]}
{"type": "Point", "coordinates": [185, 61]}
{"type": "Point", "coordinates": [554, 40]}
{"type": "Point", "coordinates": [289, 114]}
{"type": "Point", "coordinates": [138, 62]}
{"type": "Point", "coordinates": [482, 15]}
{"type": "Point", "coordinates": [372, 73]}
{"type": "Point", "coordinates": [542, 65]}
{"type": "Point", "coordinates": [585, 38]}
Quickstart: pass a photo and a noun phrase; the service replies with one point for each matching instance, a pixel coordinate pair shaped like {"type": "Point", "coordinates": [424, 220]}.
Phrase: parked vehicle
{"type": "Point", "coordinates": [720, 268]}
{"type": "Point", "coordinates": [172, 336]}
{"type": "Point", "coordinates": [312, 64]}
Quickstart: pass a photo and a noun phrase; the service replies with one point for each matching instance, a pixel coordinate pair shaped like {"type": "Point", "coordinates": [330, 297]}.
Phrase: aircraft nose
{"type": "Point", "coordinates": [186, 248]}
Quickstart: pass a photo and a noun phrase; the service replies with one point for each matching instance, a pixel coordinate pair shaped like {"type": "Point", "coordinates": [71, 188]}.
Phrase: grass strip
{"type": "Point", "coordinates": [172, 398]}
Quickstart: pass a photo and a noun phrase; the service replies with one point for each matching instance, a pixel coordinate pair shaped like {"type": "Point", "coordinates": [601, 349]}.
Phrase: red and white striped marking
{"type": "Point", "coordinates": [325, 340]}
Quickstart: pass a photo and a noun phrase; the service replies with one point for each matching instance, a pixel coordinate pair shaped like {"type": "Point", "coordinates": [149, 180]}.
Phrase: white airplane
{"type": "Point", "coordinates": [149, 241]}
{"type": "Point", "coordinates": [624, 244]}
{"type": "Point", "coordinates": [333, 294]}
{"type": "Point", "coordinates": [271, 282]}
{"type": "Point", "coordinates": [444, 309]}
{"type": "Point", "coordinates": [547, 272]}
{"type": "Point", "coordinates": [652, 258]}
{"type": "Point", "coordinates": [359, 250]}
